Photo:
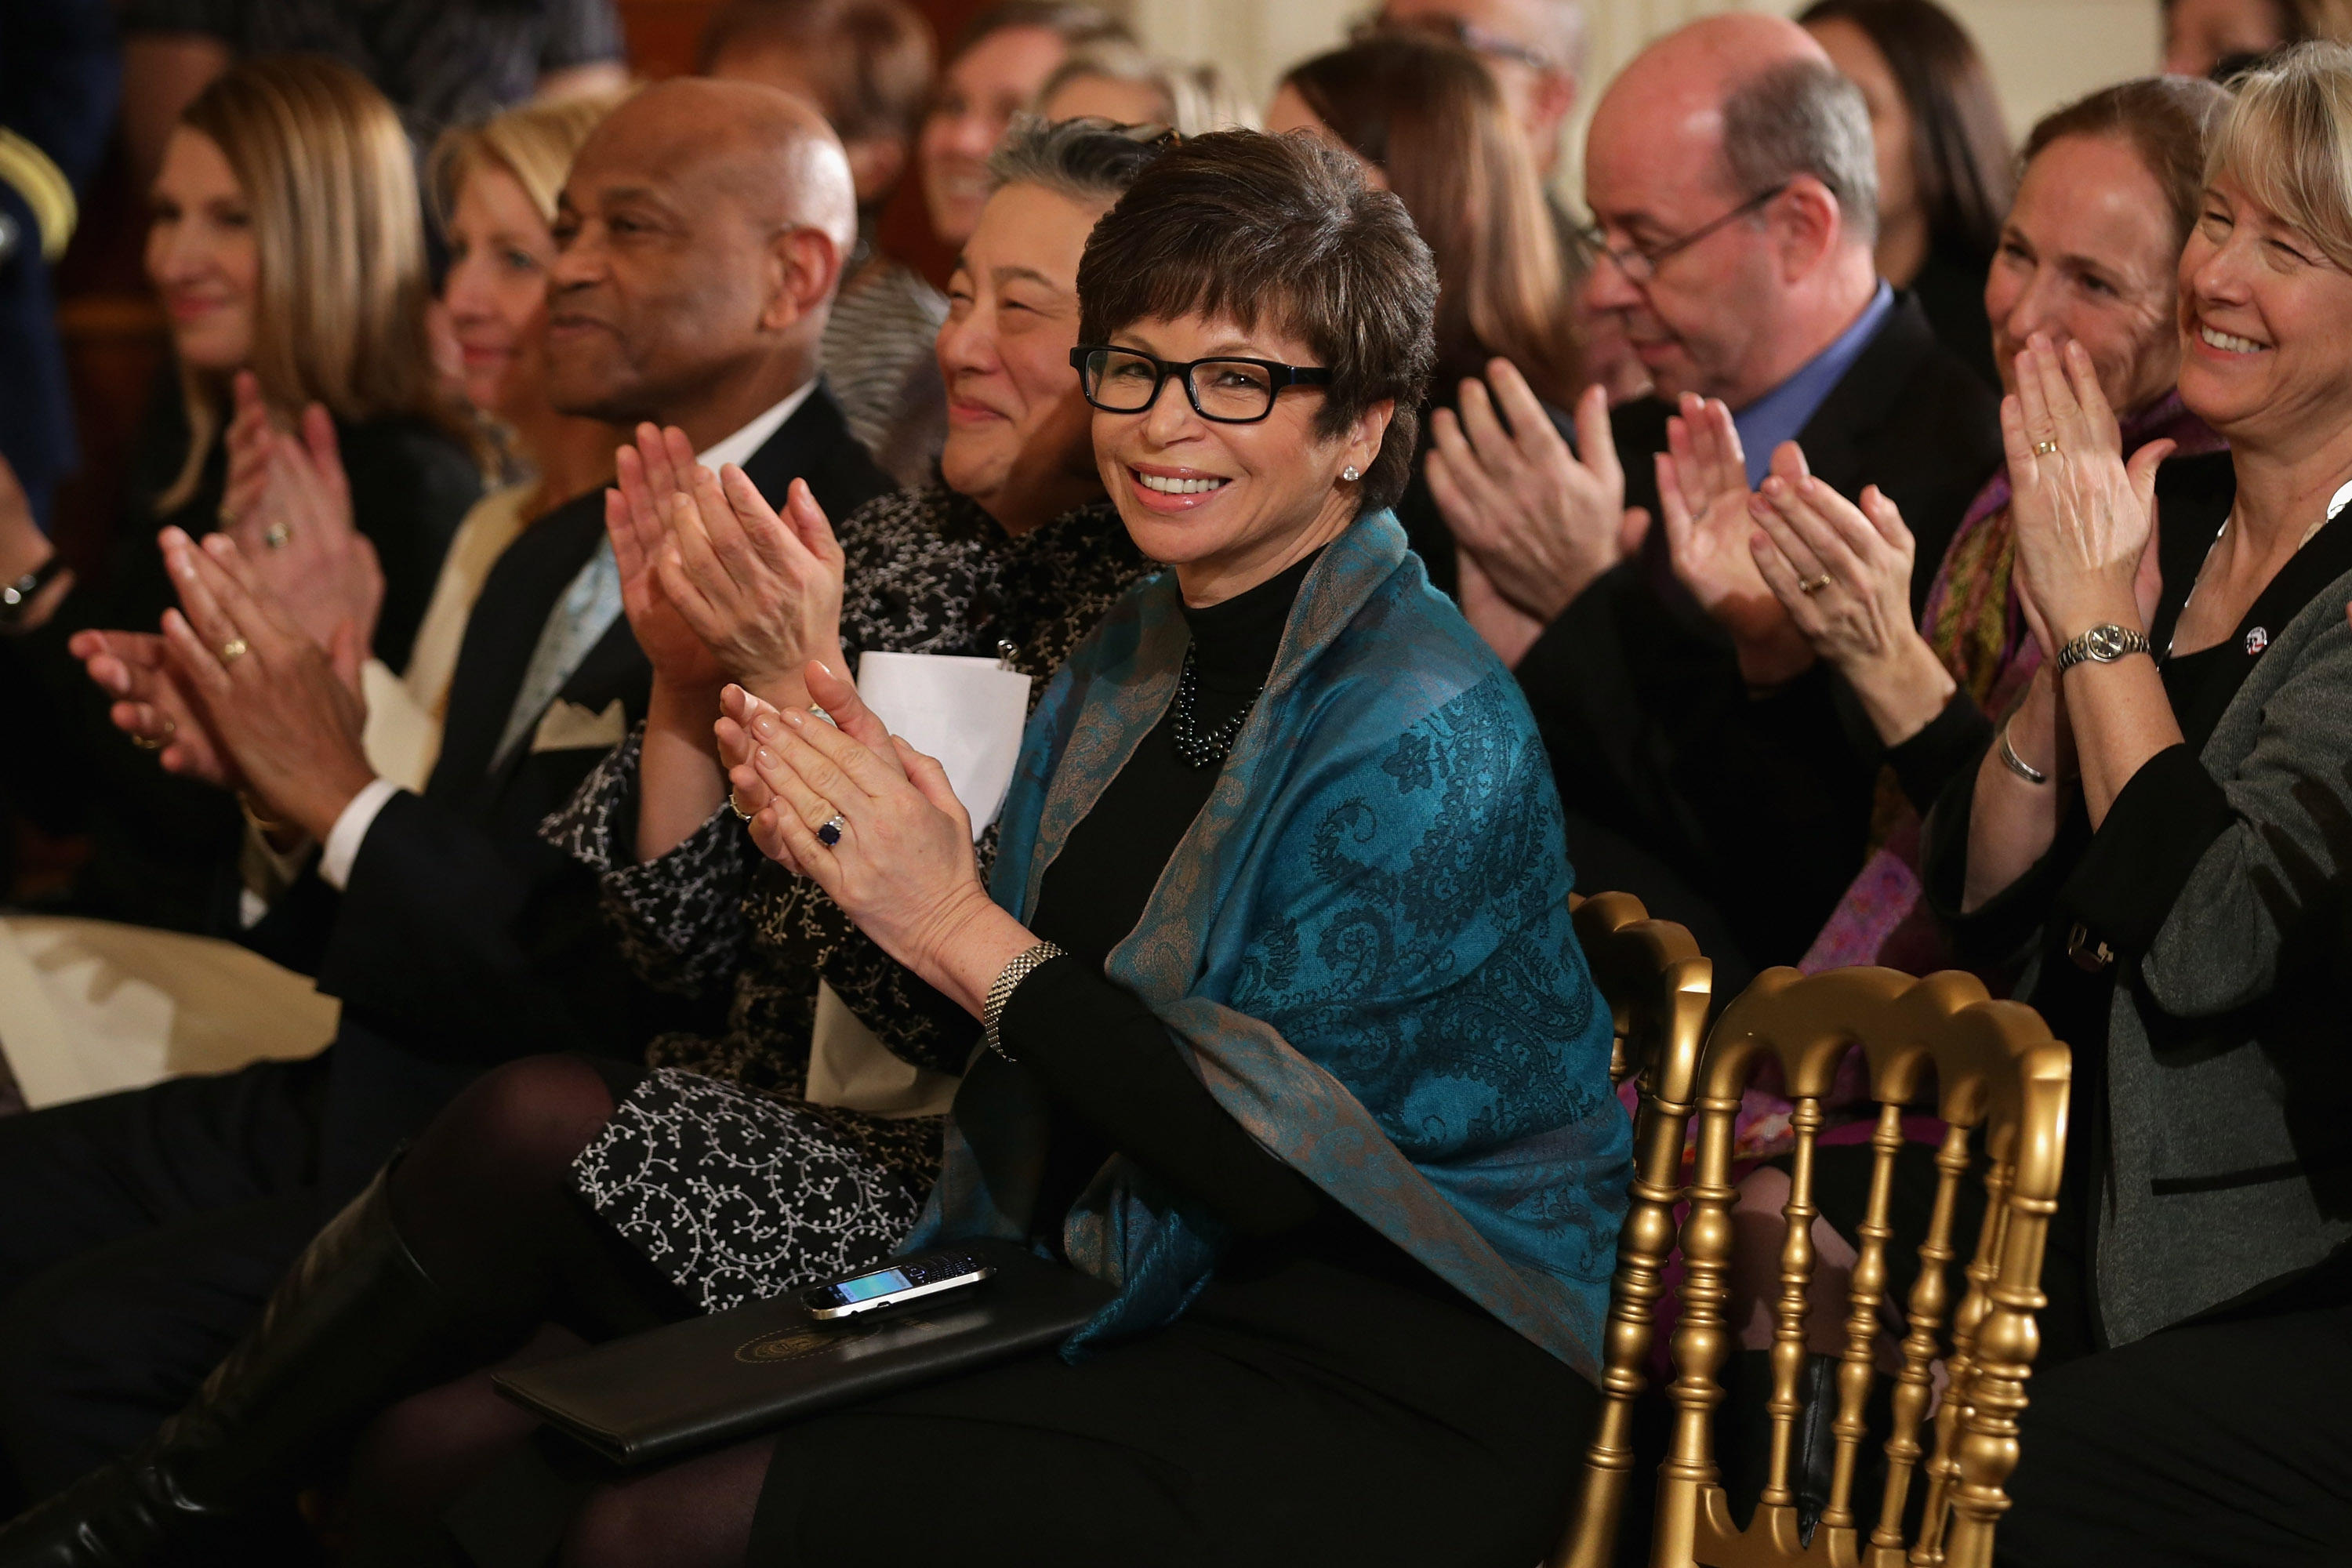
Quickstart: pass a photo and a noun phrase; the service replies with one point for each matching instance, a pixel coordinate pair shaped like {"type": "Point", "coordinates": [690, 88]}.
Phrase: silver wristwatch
{"type": "Point", "coordinates": [999, 992]}
{"type": "Point", "coordinates": [2101, 645]}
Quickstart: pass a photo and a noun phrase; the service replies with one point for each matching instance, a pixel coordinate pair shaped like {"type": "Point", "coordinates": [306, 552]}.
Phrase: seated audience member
{"type": "Point", "coordinates": [1017, 550]}
{"type": "Point", "coordinates": [1426, 116]}
{"type": "Point", "coordinates": [1003, 58]}
{"type": "Point", "coordinates": [2218, 39]}
{"type": "Point", "coordinates": [867, 66]}
{"type": "Point", "coordinates": [442, 62]}
{"type": "Point", "coordinates": [1705, 766]}
{"type": "Point", "coordinates": [253, 277]}
{"type": "Point", "coordinates": [2164, 842]}
{"type": "Point", "coordinates": [1120, 83]}
{"type": "Point", "coordinates": [1272, 1288]}
{"type": "Point", "coordinates": [1534, 49]}
{"type": "Point", "coordinates": [700, 233]}
{"type": "Point", "coordinates": [1944, 166]}
{"type": "Point", "coordinates": [2089, 254]}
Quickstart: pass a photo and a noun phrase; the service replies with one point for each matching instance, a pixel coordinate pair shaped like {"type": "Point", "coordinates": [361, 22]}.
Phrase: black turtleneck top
{"type": "Point", "coordinates": [1115, 1080]}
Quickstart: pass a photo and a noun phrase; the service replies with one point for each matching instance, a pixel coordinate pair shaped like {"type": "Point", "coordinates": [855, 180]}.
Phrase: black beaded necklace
{"type": "Point", "coordinates": [1195, 749]}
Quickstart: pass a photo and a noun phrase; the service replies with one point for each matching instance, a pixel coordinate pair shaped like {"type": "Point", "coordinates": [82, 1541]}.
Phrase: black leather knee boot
{"type": "Point", "coordinates": [354, 1326]}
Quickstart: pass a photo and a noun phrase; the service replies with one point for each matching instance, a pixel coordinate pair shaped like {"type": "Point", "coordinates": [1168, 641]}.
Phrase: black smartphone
{"type": "Point", "coordinates": [926, 1274]}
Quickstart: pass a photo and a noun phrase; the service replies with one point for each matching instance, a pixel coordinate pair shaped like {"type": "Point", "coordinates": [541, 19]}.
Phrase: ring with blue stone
{"type": "Point", "coordinates": [830, 834]}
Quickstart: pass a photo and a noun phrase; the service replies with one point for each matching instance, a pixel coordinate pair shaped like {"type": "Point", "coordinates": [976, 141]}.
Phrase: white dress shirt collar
{"type": "Point", "coordinates": [738, 448]}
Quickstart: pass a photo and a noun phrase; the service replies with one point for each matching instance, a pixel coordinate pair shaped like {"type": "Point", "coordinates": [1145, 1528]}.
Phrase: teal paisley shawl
{"type": "Point", "coordinates": [1362, 944]}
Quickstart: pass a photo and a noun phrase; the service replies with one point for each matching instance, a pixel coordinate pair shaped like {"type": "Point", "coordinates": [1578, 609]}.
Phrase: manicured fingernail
{"type": "Point", "coordinates": [824, 667]}
{"type": "Point", "coordinates": [767, 759]}
{"type": "Point", "coordinates": [764, 726]}
{"type": "Point", "coordinates": [795, 717]}
{"type": "Point", "coordinates": [219, 543]}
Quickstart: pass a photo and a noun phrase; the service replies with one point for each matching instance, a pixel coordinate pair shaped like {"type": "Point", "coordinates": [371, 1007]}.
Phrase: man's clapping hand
{"type": "Point", "coordinates": [1703, 500]}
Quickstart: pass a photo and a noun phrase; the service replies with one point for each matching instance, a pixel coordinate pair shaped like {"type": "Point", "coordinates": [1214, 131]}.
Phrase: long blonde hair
{"type": "Point", "coordinates": [535, 142]}
{"type": "Point", "coordinates": [339, 309]}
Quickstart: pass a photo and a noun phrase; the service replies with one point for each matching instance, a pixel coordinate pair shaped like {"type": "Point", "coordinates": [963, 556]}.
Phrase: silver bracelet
{"type": "Point", "coordinates": [999, 992]}
{"type": "Point", "coordinates": [2016, 763]}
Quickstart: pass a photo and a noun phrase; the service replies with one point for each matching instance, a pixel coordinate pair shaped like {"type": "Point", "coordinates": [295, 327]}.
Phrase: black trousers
{"type": "Point", "coordinates": [2227, 1440]}
{"type": "Point", "coordinates": [140, 1235]}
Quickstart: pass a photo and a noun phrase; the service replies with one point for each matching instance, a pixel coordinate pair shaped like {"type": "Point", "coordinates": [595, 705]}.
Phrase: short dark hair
{"type": "Point", "coordinates": [1801, 116]}
{"type": "Point", "coordinates": [2168, 121]}
{"type": "Point", "coordinates": [871, 59]}
{"type": "Point", "coordinates": [1285, 232]}
{"type": "Point", "coordinates": [1960, 162]}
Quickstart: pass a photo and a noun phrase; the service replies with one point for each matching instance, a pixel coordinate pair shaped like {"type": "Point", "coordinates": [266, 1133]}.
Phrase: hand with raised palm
{"type": "Point", "coordinates": [1703, 502]}
{"type": "Point", "coordinates": [648, 474]}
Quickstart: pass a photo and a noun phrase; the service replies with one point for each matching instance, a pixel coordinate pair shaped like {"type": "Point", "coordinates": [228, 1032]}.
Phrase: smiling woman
{"type": "Point", "coordinates": [1288, 1035]}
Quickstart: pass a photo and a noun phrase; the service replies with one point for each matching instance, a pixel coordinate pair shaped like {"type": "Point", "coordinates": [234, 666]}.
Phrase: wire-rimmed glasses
{"type": "Point", "coordinates": [1640, 263]}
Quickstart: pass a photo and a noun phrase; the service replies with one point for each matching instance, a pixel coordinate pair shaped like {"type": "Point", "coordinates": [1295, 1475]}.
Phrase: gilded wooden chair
{"type": "Point", "coordinates": [1995, 1067]}
{"type": "Point", "coordinates": [1658, 988]}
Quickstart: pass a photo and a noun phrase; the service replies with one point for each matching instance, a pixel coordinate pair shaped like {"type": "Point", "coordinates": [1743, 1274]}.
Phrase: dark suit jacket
{"type": "Point", "coordinates": [1743, 817]}
{"type": "Point", "coordinates": [463, 939]}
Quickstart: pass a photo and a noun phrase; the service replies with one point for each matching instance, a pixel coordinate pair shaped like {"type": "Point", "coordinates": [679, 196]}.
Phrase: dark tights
{"type": "Point", "coordinates": [485, 1202]}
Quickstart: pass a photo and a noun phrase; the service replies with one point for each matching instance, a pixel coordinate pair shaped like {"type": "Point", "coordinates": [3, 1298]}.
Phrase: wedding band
{"type": "Point", "coordinates": [233, 650]}
{"type": "Point", "coordinates": [737, 806]}
{"type": "Point", "coordinates": [276, 535]}
{"type": "Point", "coordinates": [830, 834]}
{"type": "Point", "coordinates": [1815, 585]}
{"type": "Point", "coordinates": [2044, 448]}
{"type": "Point", "coordinates": [157, 743]}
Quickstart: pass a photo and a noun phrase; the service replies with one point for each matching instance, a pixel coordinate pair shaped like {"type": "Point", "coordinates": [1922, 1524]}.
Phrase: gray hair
{"type": "Point", "coordinates": [1803, 118]}
{"type": "Point", "coordinates": [1086, 160]}
{"type": "Point", "coordinates": [1195, 99]}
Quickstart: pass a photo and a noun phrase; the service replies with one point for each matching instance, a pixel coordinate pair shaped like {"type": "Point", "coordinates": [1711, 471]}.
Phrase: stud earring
{"type": "Point", "coordinates": [1349, 474]}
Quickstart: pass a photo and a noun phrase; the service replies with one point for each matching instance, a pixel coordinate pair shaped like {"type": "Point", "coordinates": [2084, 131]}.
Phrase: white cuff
{"type": "Point", "coordinates": [351, 831]}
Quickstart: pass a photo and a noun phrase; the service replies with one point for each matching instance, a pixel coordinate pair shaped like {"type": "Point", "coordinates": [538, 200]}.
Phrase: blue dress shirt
{"type": "Point", "coordinates": [1781, 413]}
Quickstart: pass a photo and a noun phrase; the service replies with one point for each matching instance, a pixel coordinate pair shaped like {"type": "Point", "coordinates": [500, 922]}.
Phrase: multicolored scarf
{"type": "Point", "coordinates": [1974, 621]}
{"type": "Point", "coordinates": [1362, 944]}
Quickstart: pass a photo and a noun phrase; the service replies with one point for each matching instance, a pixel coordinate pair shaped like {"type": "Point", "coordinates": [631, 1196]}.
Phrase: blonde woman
{"type": "Point", "coordinates": [494, 185]}
{"type": "Point", "coordinates": [285, 242]}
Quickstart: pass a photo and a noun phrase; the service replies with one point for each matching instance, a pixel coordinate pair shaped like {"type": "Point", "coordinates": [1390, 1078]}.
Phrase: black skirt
{"type": "Point", "coordinates": [1306, 1413]}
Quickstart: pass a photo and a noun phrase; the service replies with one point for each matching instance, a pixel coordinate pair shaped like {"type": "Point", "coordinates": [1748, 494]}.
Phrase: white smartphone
{"type": "Point", "coordinates": [904, 1280]}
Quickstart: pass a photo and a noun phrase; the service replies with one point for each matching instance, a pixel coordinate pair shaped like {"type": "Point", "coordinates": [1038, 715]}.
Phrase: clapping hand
{"type": "Point", "coordinates": [873, 821]}
{"type": "Point", "coordinates": [2085, 519]}
{"type": "Point", "coordinates": [1703, 500]}
{"type": "Point", "coordinates": [287, 713]}
{"type": "Point", "coordinates": [762, 593]}
{"type": "Point", "coordinates": [1541, 522]}
{"type": "Point", "coordinates": [288, 508]}
{"type": "Point", "coordinates": [1843, 573]}
{"type": "Point", "coordinates": [153, 706]}
{"type": "Point", "coordinates": [649, 473]}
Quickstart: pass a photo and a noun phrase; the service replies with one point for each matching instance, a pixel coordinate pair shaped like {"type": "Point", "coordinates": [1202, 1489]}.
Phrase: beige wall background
{"type": "Point", "coordinates": [2043, 52]}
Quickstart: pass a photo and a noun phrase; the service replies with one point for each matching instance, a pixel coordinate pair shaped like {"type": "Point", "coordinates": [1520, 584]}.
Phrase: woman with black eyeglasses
{"type": "Point", "coordinates": [1286, 1031]}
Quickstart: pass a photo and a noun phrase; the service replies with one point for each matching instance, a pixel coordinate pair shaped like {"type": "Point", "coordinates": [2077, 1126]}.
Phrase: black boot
{"type": "Point", "coordinates": [354, 1326]}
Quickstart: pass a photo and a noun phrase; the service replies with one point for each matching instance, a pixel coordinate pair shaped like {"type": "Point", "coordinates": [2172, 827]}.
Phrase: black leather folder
{"type": "Point", "coordinates": [691, 1385]}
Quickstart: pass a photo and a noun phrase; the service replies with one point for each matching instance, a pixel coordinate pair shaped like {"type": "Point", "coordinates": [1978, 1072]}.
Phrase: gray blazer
{"type": "Point", "coordinates": [2232, 1138]}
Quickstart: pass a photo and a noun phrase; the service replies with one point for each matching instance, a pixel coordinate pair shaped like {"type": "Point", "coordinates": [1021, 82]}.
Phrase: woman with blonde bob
{"type": "Point", "coordinates": [2162, 830]}
{"type": "Point", "coordinates": [287, 249]}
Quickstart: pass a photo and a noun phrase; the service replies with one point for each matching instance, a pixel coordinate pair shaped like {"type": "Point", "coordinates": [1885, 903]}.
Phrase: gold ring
{"type": "Point", "coordinates": [1815, 585]}
{"type": "Point", "coordinates": [233, 650]}
{"type": "Point", "coordinates": [2044, 448]}
{"type": "Point", "coordinates": [277, 536]}
{"type": "Point", "coordinates": [737, 806]}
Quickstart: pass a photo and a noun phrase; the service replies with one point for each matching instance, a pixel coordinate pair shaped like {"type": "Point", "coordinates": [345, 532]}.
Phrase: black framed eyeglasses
{"type": "Point", "coordinates": [1227, 389]}
{"type": "Point", "coordinates": [1454, 30]}
{"type": "Point", "coordinates": [1640, 263]}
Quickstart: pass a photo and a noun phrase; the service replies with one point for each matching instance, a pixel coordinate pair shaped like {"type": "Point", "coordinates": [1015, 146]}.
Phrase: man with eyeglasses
{"type": "Point", "coordinates": [1704, 759]}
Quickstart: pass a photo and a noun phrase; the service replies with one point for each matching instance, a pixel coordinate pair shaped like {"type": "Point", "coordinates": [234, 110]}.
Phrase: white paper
{"type": "Point", "coordinates": [967, 712]}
